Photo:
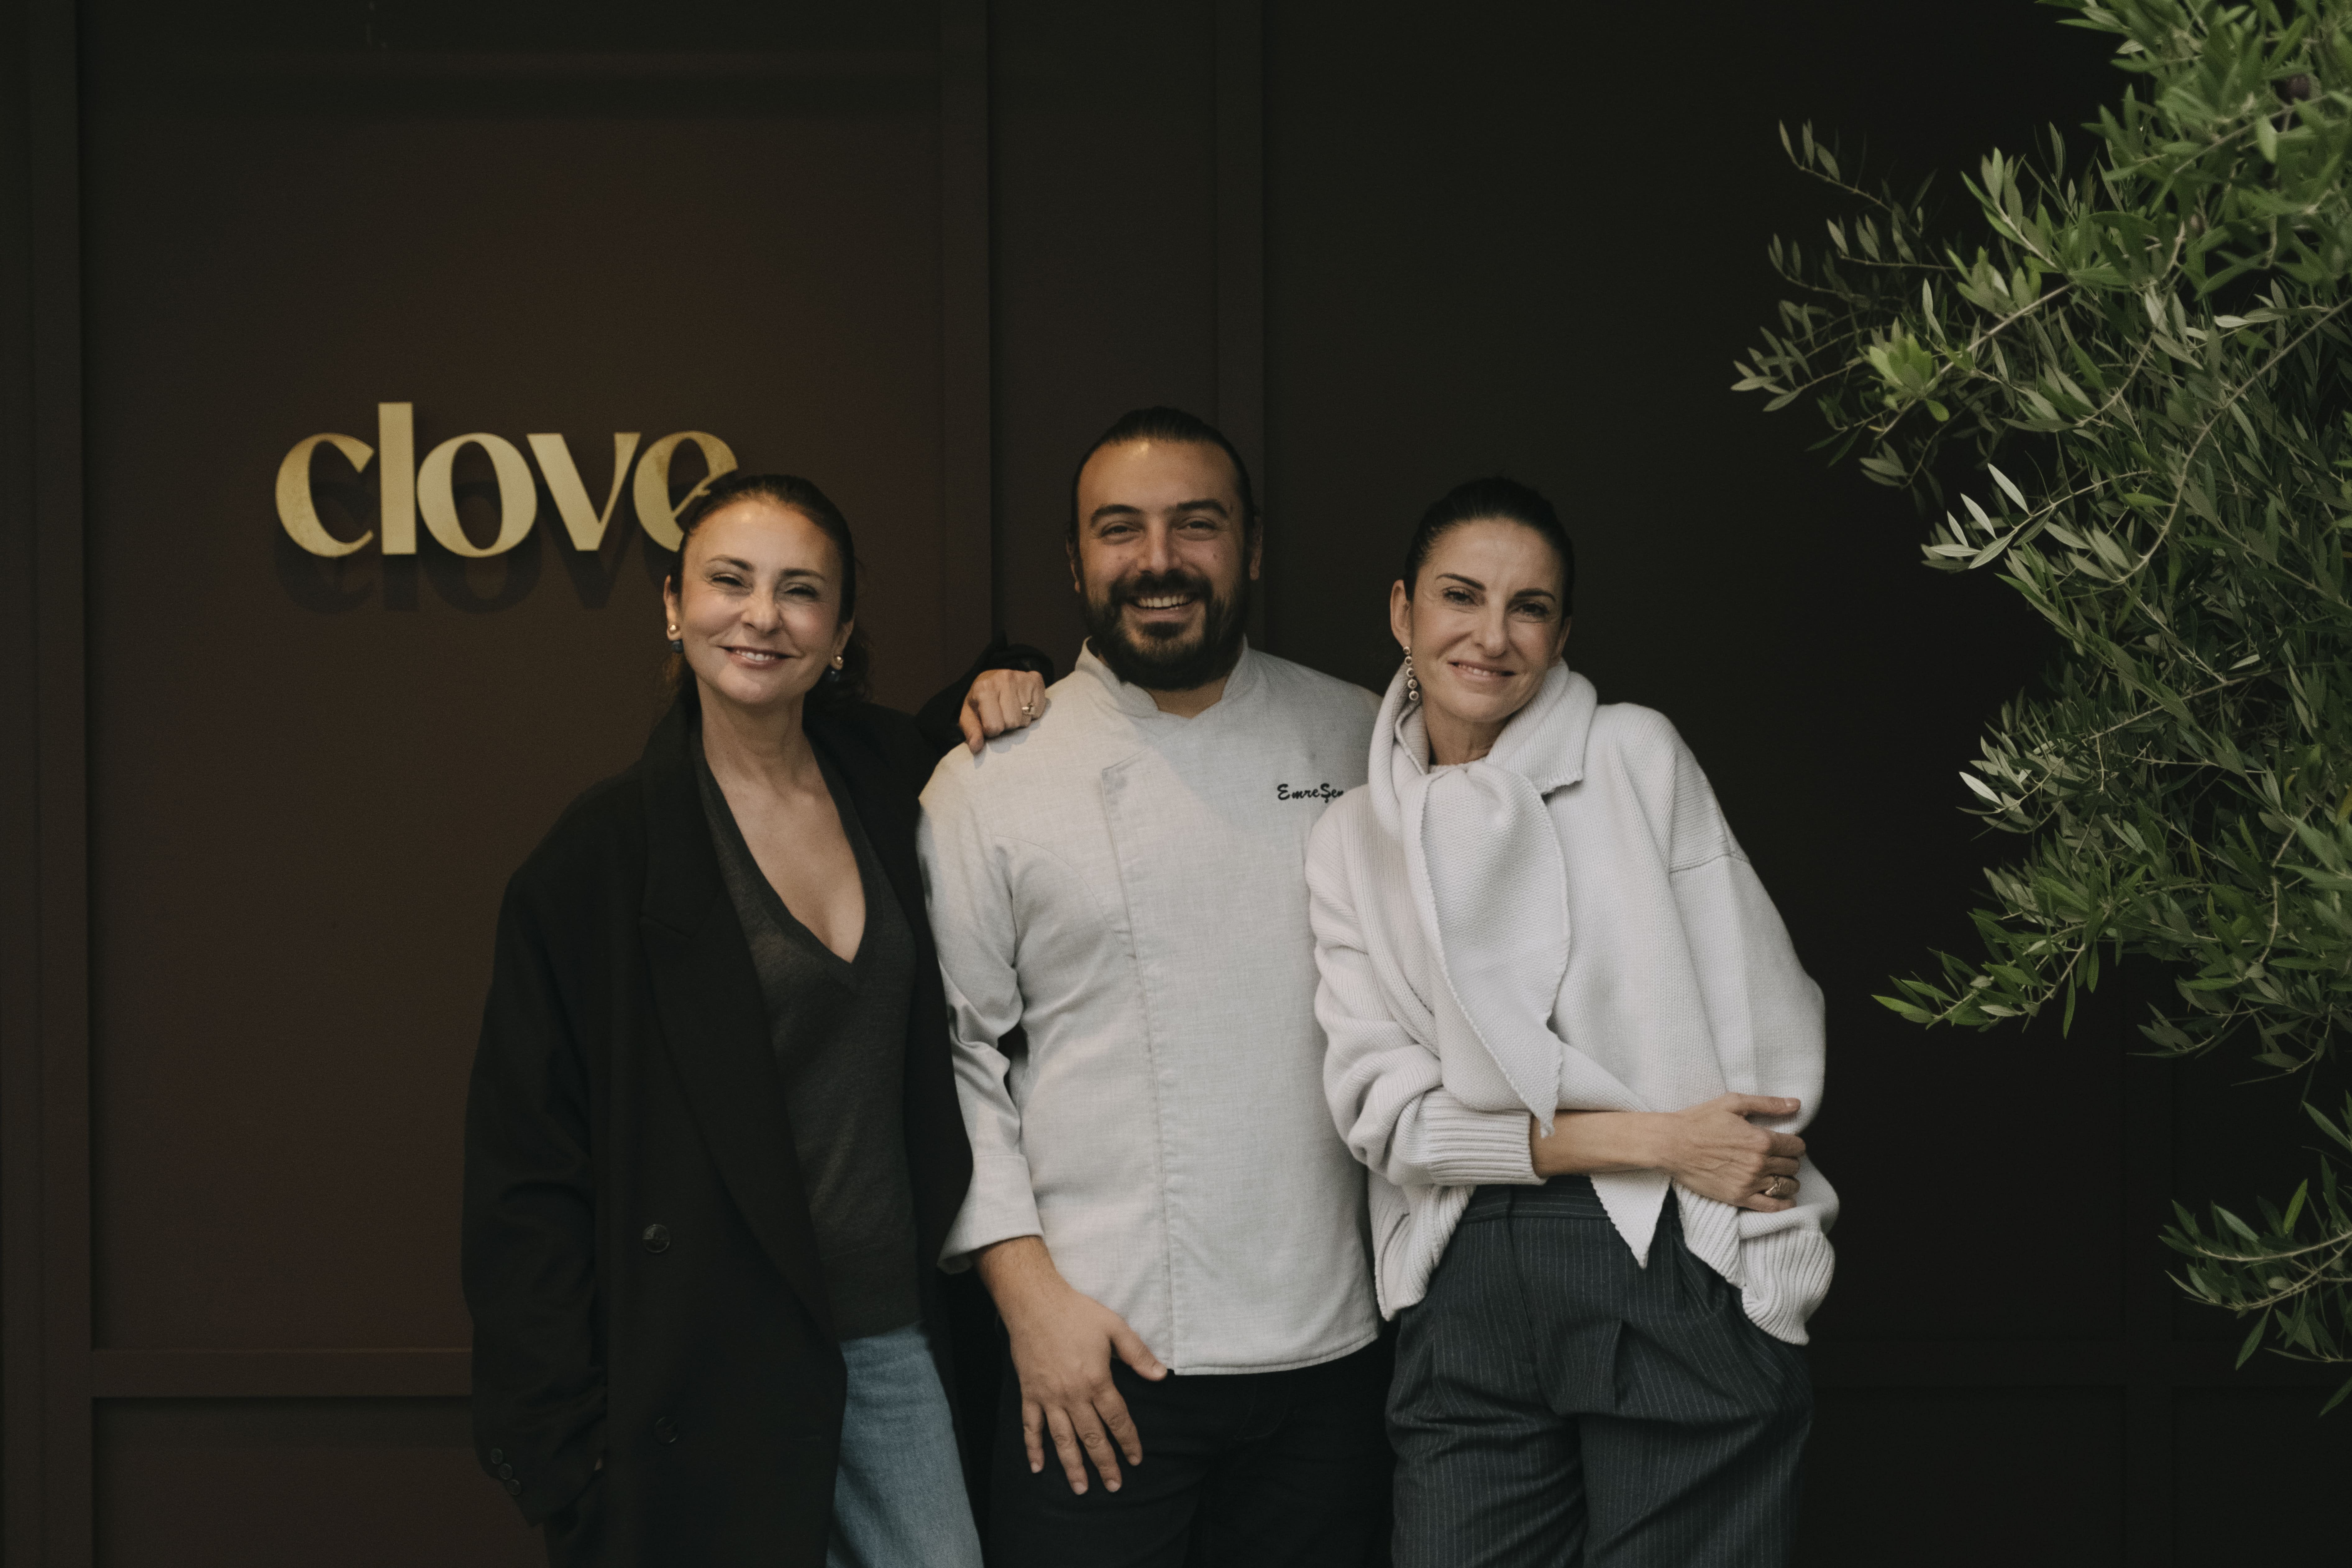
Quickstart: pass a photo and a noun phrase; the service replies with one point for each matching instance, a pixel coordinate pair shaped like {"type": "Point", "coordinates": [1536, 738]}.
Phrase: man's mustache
{"type": "Point", "coordinates": [1153, 585]}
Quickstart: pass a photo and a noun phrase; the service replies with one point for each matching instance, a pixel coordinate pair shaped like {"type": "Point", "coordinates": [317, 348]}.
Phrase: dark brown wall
{"type": "Point", "coordinates": [247, 877]}
{"type": "Point", "coordinates": [1105, 229]}
{"type": "Point", "coordinates": [306, 1483]}
{"type": "Point", "coordinates": [311, 778]}
{"type": "Point", "coordinates": [307, 779]}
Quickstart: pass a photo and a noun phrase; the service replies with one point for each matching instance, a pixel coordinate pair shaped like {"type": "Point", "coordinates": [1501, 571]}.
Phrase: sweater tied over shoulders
{"type": "Point", "coordinates": [1490, 886]}
{"type": "Point", "coordinates": [1573, 927]}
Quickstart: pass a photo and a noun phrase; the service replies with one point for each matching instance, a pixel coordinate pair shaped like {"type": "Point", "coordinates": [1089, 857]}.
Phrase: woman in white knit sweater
{"type": "Point", "coordinates": [1571, 1044]}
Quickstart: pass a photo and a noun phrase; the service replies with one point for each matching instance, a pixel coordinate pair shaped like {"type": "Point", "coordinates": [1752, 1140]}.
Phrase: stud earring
{"type": "Point", "coordinates": [1412, 683]}
{"type": "Point", "coordinates": [677, 644]}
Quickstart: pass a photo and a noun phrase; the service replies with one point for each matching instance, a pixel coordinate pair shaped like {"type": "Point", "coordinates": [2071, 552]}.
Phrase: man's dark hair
{"type": "Point", "coordinates": [849, 683]}
{"type": "Point", "coordinates": [1502, 500]}
{"type": "Point", "coordinates": [1164, 424]}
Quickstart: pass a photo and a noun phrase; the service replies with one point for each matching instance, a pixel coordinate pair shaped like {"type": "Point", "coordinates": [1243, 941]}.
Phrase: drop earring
{"type": "Point", "coordinates": [1411, 682]}
{"type": "Point", "coordinates": [835, 673]}
{"type": "Point", "coordinates": [677, 644]}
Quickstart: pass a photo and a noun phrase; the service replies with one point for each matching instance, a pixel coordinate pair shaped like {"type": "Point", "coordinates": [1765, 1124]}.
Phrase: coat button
{"type": "Point", "coordinates": [656, 1237]}
{"type": "Point", "coordinates": [665, 1429]}
{"type": "Point", "coordinates": [514, 1489]}
{"type": "Point", "coordinates": [506, 1472]}
{"type": "Point", "coordinates": [497, 1456]}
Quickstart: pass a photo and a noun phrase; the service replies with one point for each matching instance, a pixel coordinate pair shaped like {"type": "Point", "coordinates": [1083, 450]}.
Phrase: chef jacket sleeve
{"type": "Point", "coordinates": [973, 923]}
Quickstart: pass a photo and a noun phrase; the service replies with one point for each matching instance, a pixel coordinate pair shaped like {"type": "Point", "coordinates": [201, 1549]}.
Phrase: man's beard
{"type": "Point", "coordinates": [1178, 661]}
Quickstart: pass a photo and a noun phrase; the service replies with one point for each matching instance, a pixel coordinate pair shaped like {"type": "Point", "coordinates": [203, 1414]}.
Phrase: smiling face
{"type": "Point", "coordinates": [1162, 562]}
{"type": "Point", "coordinates": [757, 601]}
{"type": "Point", "coordinates": [1483, 624]}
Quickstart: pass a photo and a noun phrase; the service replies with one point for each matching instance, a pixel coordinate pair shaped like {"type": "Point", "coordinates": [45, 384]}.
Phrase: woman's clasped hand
{"type": "Point", "coordinates": [1714, 1149]}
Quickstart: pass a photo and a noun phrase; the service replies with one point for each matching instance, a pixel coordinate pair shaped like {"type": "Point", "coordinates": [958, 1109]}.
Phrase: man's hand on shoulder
{"type": "Point", "coordinates": [999, 701]}
{"type": "Point", "coordinates": [1062, 1346]}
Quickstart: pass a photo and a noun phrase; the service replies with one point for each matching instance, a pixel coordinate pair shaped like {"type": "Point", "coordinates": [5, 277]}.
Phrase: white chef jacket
{"type": "Point", "coordinates": [1120, 900]}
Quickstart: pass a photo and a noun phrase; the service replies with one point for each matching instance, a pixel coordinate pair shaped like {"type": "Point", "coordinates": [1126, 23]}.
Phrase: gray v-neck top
{"type": "Point", "coordinates": [839, 1029]}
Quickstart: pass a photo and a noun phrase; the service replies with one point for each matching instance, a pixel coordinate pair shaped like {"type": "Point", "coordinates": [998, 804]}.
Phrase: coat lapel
{"type": "Point", "coordinates": [714, 1019]}
{"type": "Point", "coordinates": [938, 1156]}
{"type": "Point", "coordinates": [883, 807]}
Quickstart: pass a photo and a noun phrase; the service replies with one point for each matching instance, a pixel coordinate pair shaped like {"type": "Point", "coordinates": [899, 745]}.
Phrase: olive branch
{"type": "Point", "coordinates": [2133, 375]}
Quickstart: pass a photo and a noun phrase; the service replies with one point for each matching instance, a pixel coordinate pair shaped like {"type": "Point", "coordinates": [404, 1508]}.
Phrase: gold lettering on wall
{"type": "Point", "coordinates": [396, 427]}
{"type": "Point", "coordinates": [655, 514]}
{"type": "Point", "coordinates": [297, 511]}
{"type": "Point", "coordinates": [585, 527]}
{"type": "Point", "coordinates": [518, 497]}
{"type": "Point", "coordinates": [407, 487]}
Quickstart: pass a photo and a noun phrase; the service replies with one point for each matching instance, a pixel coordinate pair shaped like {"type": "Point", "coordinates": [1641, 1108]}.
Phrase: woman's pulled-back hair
{"type": "Point", "coordinates": [1500, 499]}
{"type": "Point", "coordinates": [847, 684]}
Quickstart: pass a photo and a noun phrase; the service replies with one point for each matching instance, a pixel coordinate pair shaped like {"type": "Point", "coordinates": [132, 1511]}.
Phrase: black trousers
{"type": "Point", "coordinates": [1558, 1405]}
{"type": "Point", "coordinates": [1287, 1468]}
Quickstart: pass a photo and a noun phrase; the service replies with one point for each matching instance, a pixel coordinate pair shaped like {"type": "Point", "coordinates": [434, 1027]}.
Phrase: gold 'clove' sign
{"type": "Point", "coordinates": [408, 487]}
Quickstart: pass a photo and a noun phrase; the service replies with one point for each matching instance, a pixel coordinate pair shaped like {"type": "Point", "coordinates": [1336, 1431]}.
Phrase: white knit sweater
{"type": "Point", "coordinates": [1567, 922]}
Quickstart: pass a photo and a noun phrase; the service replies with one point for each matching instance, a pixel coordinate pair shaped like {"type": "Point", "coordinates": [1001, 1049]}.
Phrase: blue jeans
{"type": "Point", "coordinates": [897, 1497]}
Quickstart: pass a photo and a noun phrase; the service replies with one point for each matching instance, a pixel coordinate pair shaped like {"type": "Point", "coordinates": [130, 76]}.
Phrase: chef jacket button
{"type": "Point", "coordinates": [506, 1472]}
{"type": "Point", "coordinates": [656, 1237]}
{"type": "Point", "coordinates": [665, 1429]}
{"type": "Point", "coordinates": [514, 1489]}
{"type": "Point", "coordinates": [497, 1456]}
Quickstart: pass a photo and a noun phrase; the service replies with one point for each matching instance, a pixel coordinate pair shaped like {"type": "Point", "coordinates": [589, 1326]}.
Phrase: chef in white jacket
{"type": "Point", "coordinates": [1169, 1223]}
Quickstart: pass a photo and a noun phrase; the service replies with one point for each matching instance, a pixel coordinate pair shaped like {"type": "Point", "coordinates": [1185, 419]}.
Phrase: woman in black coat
{"type": "Point", "coordinates": [712, 1143]}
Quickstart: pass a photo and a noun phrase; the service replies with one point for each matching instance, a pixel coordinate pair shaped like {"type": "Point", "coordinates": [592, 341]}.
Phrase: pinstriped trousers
{"type": "Point", "coordinates": [1558, 1405]}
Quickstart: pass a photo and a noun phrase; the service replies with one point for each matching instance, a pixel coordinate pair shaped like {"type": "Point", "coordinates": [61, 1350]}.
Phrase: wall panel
{"type": "Point", "coordinates": [1905, 1476]}
{"type": "Point", "coordinates": [313, 776]}
{"type": "Point", "coordinates": [1105, 229]}
{"type": "Point", "coordinates": [355, 1483]}
{"type": "Point", "coordinates": [2260, 1482]}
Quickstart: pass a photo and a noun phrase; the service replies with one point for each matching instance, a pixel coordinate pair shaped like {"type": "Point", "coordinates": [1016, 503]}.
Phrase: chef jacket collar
{"type": "Point", "coordinates": [1131, 699]}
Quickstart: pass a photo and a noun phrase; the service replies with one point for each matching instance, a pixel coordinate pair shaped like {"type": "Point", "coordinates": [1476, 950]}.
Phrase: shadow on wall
{"type": "Point", "coordinates": [345, 582]}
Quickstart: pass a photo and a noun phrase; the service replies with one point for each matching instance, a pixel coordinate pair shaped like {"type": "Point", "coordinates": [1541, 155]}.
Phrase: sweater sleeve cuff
{"type": "Point", "coordinates": [1464, 1148]}
{"type": "Point", "coordinates": [997, 1206]}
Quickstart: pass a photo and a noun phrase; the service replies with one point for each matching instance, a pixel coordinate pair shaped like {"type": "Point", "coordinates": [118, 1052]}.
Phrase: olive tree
{"type": "Point", "coordinates": [2123, 382]}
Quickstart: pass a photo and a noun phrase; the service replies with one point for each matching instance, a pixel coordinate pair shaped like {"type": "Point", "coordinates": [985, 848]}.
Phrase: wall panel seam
{"type": "Point", "coordinates": [969, 601]}
{"type": "Point", "coordinates": [1240, 269]}
{"type": "Point", "coordinates": [61, 736]}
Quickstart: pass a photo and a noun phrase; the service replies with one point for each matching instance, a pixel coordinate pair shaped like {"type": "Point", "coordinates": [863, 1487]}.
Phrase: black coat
{"type": "Point", "coordinates": [639, 1259]}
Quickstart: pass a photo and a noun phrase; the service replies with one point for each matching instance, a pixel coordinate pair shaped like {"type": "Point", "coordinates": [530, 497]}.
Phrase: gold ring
{"type": "Point", "coordinates": [1029, 710]}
